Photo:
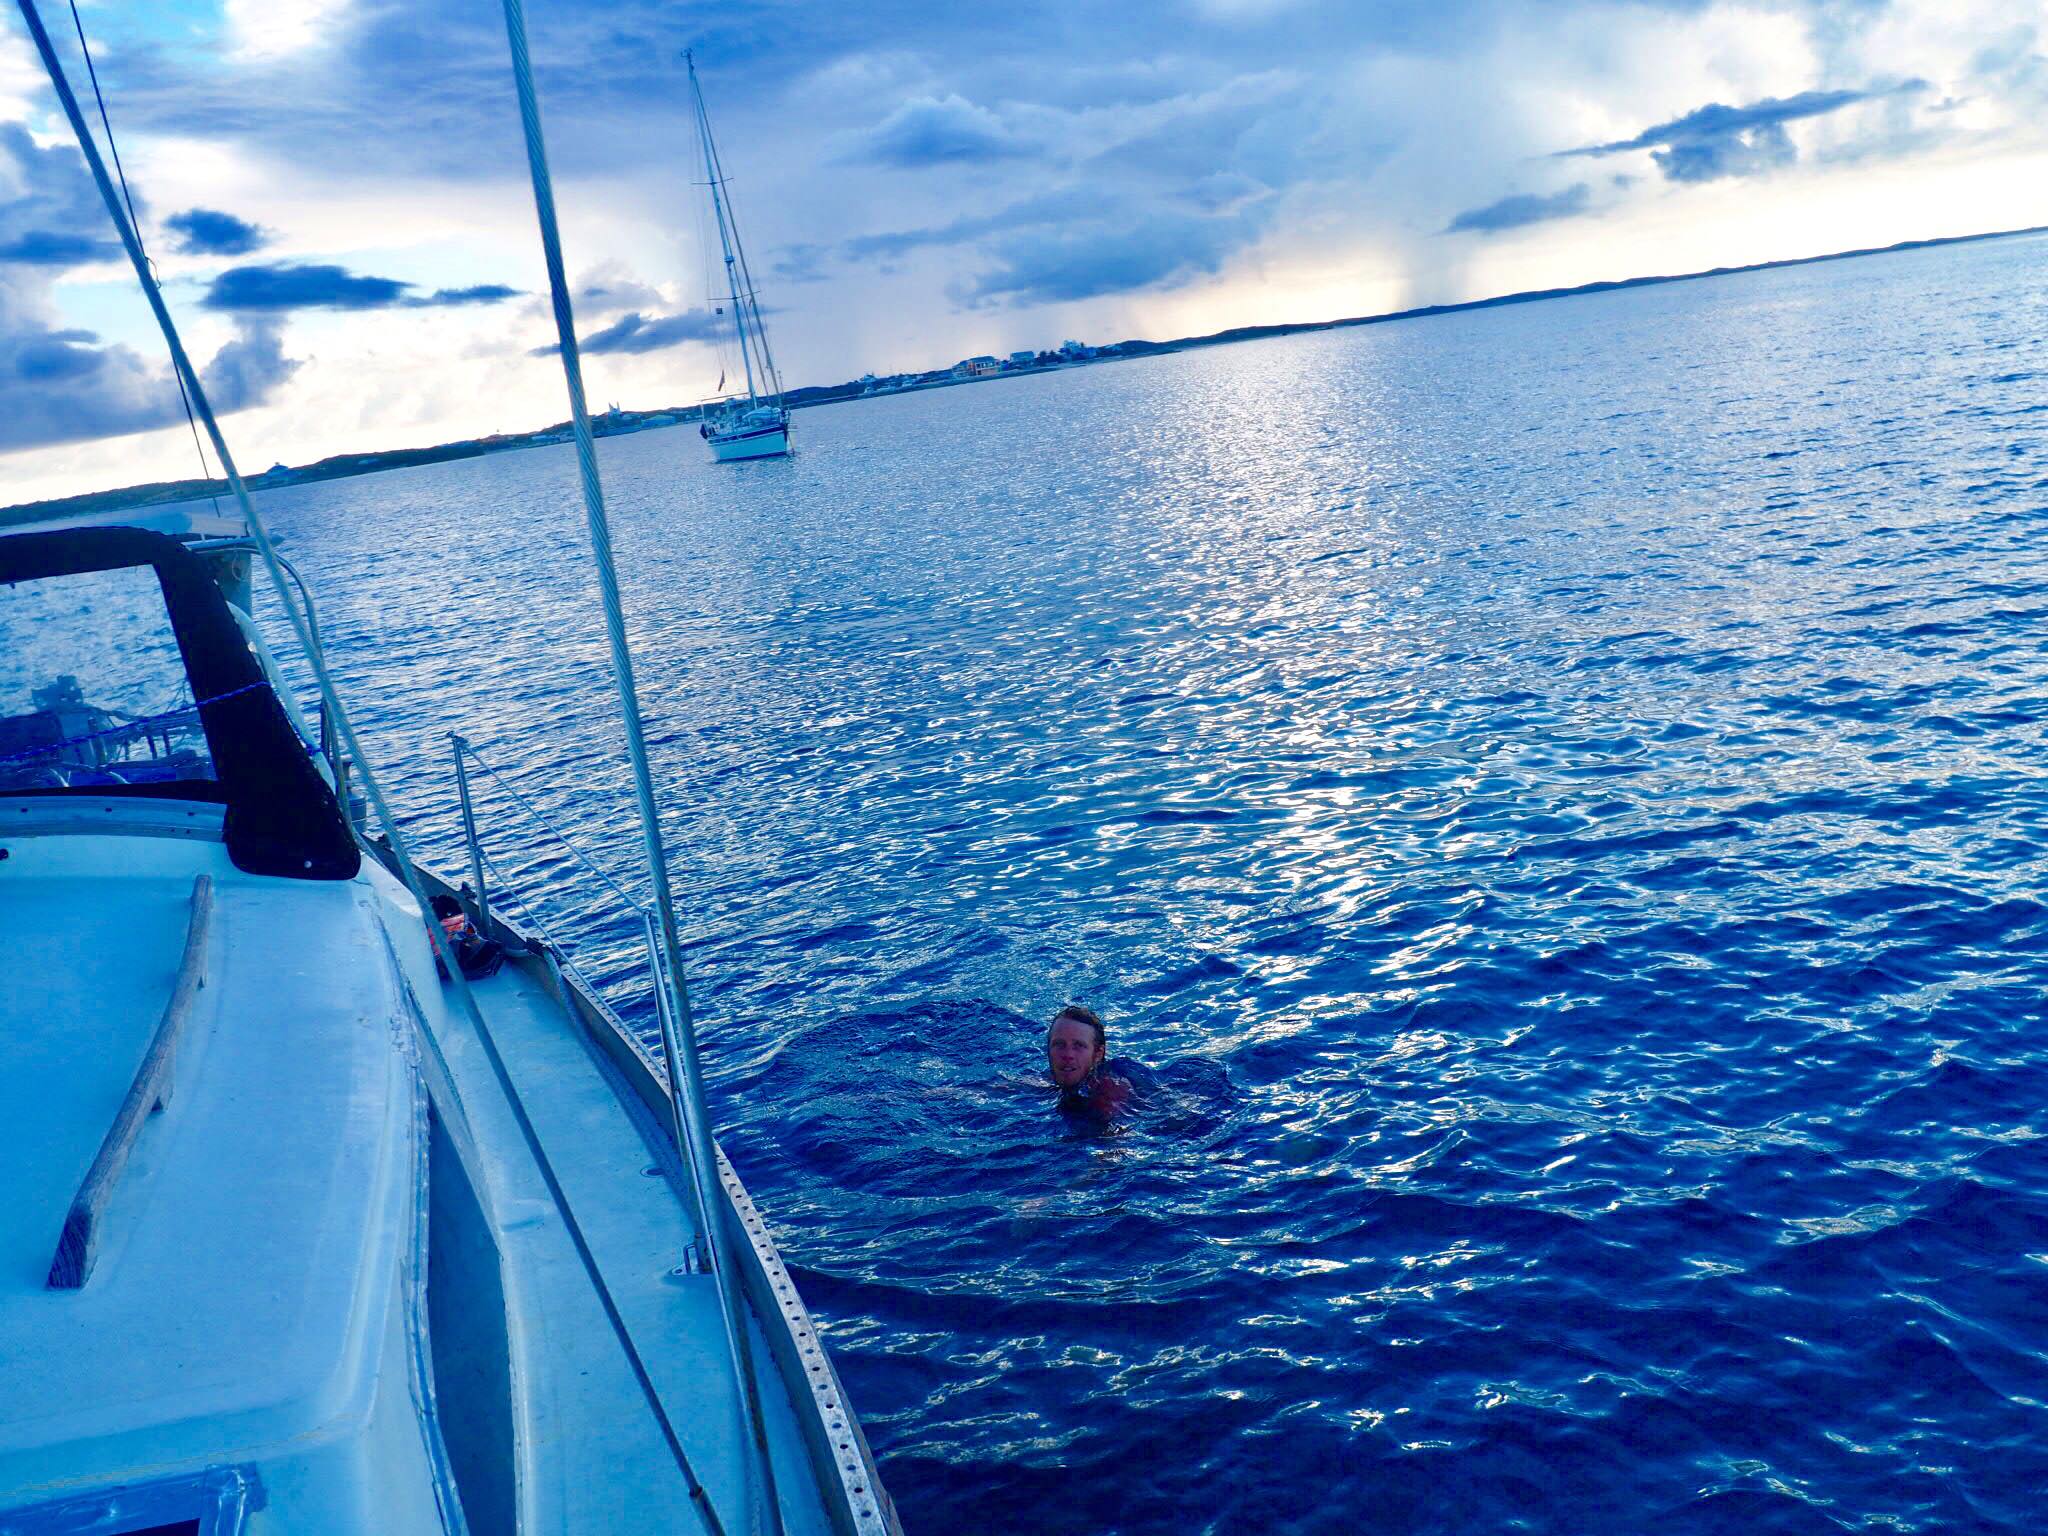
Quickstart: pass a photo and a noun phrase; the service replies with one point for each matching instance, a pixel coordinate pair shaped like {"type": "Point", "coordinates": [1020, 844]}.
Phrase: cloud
{"type": "Point", "coordinates": [61, 386]}
{"type": "Point", "coordinates": [59, 383]}
{"type": "Point", "coordinates": [634, 332]}
{"type": "Point", "coordinates": [300, 286]}
{"type": "Point", "coordinates": [1155, 191]}
{"type": "Point", "coordinates": [265, 30]}
{"type": "Point", "coordinates": [1717, 141]}
{"type": "Point", "coordinates": [313, 285]}
{"type": "Point", "coordinates": [1307, 161]}
{"type": "Point", "coordinates": [480, 293]}
{"type": "Point", "coordinates": [249, 369]}
{"type": "Point", "coordinates": [938, 130]}
{"type": "Point", "coordinates": [1521, 209]}
{"type": "Point", "coordinates": [209, 232]}
{"type": "Point", "coordinates": [1226, 191]}
{"type": "Point", "coordinates": [802, 262]}
{"type": "Point", "coordinates": [1072, 208]}
{"type": "Point", "coordinates": [1083, 241]}
{"type": "Point", "coordinates": [45, 248]}
{"type": "Point", "coordinates": [610, 288]}
{"type": "Point", "coordinates": [50, 214]}
{"type": "Point", "coordinates": [1058, 265]}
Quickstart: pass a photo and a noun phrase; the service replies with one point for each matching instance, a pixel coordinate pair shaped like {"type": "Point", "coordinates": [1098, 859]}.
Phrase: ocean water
{"type": "Point", "coordinates": [1557, 792]}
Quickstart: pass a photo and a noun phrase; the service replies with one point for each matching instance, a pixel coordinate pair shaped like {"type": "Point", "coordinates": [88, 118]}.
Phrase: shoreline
{"type": "Point", "coordinates": [618, 423]}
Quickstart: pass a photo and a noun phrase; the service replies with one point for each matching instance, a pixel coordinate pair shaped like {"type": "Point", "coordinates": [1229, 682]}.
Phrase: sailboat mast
{"type": "Point", "coordinates": [771, 378]}
{"type": "Point", "coordinates": [717, 182]}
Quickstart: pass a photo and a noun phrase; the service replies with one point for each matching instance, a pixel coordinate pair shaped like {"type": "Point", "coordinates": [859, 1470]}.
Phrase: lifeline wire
{"type": "Point", "coordinates": [546, 826]}
{"type": "Point", "coordinates": [767, 1512]}
{"type": "Point", "coordinates": [699, 1499]}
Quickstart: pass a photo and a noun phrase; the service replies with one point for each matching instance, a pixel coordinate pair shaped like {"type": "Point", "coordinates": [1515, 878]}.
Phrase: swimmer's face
{"type": "Point", "coordinates": [1071, 1052]}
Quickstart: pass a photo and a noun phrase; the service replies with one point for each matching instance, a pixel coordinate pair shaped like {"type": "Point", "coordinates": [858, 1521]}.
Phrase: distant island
{"type": "Point", "coordinates": [616, 422]}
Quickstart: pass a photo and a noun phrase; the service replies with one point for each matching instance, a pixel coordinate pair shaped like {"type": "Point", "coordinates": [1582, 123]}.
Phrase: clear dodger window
{"type": "Point", "coordinates": [93, 692]}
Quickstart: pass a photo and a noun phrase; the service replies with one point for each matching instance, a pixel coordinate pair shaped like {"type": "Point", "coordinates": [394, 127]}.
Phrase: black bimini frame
{"type": "Point", "coordinates": [281, 816]}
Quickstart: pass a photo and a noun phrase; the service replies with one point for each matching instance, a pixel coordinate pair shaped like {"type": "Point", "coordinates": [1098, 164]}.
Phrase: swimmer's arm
{"type": "Point", "coordinates": [1112, 1092]}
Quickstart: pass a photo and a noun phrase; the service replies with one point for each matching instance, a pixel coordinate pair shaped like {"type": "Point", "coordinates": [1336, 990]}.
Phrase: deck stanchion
{"type": "Point", "coordinates": [476, 860]}
{"type": "Point", "coordinates": [685, 1131]}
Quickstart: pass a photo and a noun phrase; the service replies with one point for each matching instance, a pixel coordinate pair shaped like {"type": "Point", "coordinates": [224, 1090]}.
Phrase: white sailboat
{"type": "Point", "coordinates": [302, 1231]}
{"type": "Point", "coordinates": [754, 425]}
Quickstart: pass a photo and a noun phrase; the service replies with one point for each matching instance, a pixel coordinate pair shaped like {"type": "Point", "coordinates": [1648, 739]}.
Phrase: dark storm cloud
{"type": "Point", "coordinates": [209, 232]}
{"type": "Point", "coordinates": [1523, 208]}
{"type": "Point", "coordinates": [47, 248]}
{"type": "Point", "coordinates": [1191, 182]}
{"type": "Point", "coordinates": [635, 332]}
{"type": "Point", "coordinates": [313, 285]}
{"type": "Point", "coordinates": [1071, 208]}
{"type": "Point", "coordinates": [1717, 141]}
{"type": "Point", "coordinates": [1058, 265]}
{"type": "Point", "coordinates": [948, 130]}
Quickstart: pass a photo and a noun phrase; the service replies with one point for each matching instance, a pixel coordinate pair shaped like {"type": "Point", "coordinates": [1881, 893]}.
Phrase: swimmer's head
{"type": "Point", "coordinates": [1074, 1045]}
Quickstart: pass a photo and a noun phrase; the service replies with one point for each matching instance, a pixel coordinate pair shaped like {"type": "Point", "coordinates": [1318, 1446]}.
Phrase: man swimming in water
{"type": "Point", "coordinates": [1090, 1082]}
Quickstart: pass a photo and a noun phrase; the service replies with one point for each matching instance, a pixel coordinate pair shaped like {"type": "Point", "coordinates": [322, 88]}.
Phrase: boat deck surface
{"type": "Point", "coordinates": [248, 1294]}
{"type": "Point", "coordinates": [256, 1232]}
{"type": "Point", "coordinates": [639, 1229]}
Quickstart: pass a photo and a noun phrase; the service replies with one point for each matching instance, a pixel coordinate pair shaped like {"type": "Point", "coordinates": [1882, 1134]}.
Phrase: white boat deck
{"type": "Point", "coordinates": [258, 1301]}
{"type": "Point", "coordinates": [639, 1233]}
{"type": "Point", "coordinates": [244, 1305]}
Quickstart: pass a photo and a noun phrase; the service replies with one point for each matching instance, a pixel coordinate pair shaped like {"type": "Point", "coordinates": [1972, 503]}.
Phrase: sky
{"type": "Point", "coordinates": [335, 194]}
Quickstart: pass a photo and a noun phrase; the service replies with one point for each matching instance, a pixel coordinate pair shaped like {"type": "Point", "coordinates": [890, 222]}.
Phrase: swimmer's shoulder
{"type": "Point", "coordinates": [1137, 1074]}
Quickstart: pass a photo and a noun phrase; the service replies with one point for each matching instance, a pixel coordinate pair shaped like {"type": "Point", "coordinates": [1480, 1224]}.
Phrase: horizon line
{"type": "Point", "coordinates": [1113, 352]}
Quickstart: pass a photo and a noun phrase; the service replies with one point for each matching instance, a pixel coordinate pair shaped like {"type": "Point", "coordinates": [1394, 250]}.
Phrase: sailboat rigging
{"type": "Point", "coordinates": [756, 425]}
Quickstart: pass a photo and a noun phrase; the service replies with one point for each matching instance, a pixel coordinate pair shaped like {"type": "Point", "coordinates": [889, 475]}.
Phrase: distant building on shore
{"type": "Point", "coordinates": [977, 367]}
{"type": "Point", "coordinates": [1074, 349]}
{"type": "Point", "coordinates": [1023, 359]}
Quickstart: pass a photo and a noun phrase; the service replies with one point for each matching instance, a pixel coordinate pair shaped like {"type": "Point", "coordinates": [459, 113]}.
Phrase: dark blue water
{"type": "Point", "coordinates": [1557, 792]}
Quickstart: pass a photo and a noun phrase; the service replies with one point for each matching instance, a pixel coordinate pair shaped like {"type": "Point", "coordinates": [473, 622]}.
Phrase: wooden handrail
{"type": "Point", "coordinates": [151, 1091]}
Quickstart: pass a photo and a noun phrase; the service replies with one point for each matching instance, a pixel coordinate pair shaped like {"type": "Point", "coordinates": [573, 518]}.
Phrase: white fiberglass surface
{"type": "Point", "coordinates": [91, 964]}
{"type": "Point", "coordinates": [252, 1244]}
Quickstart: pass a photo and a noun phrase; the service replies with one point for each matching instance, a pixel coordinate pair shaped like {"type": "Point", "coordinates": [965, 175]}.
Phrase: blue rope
{"type": "Point", "coordinates": [129, 727]}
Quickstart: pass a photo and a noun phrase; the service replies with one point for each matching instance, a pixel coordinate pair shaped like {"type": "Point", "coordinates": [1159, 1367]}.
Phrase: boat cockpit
{"type": "Point", "coordinates": [128, 676]}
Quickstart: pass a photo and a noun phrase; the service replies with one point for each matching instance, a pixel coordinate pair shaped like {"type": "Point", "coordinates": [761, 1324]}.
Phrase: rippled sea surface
{"type": "Point", "coordinates": [1556, 791]}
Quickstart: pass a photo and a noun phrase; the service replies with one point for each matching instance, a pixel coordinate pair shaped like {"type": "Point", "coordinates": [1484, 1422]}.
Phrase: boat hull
{"type": "Point", "coordinates": [761, 443]}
